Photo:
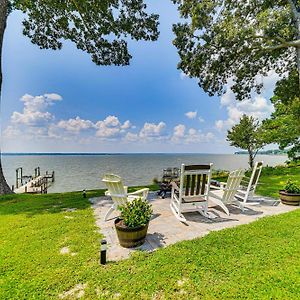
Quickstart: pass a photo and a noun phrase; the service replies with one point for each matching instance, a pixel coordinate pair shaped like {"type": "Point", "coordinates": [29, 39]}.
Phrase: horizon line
{"type": "Point", "coordinates": [104, 153]}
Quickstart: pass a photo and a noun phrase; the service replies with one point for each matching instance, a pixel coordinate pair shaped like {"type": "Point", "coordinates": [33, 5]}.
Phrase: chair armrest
{"type": "Point", "coordinates": [211, 194]}
{"type": "Point", "coordinates": [107, 193]}
{"type": "Point", "coordinates": [143, 192]}
{"type": "Point", "coordinates": [214, 187]}
{"type": "Point", "coordinates": [139, 191]}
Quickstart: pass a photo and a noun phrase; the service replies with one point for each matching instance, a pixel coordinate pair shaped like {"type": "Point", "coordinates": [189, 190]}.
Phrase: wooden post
{"type": "Point", "coordinates": [17, 178]}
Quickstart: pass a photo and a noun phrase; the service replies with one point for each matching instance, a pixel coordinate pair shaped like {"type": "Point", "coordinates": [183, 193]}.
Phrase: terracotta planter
{"type": "Point", "coordinates": [289, 199]}
{"type": "Point", "coordinates": [130, 237]}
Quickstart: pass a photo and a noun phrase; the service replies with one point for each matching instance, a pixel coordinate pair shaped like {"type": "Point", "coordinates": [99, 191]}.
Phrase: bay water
{"type": "Point", "coordinates": [78, 172]}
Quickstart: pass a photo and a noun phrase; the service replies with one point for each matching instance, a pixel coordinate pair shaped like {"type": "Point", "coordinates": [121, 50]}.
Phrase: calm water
{"type": "Point", "coordinates": [74, 173]}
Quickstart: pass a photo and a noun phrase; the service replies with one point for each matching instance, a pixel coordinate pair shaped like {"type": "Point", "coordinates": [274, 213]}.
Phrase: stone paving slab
{"type": "Point", "coordinates": [165, 229]}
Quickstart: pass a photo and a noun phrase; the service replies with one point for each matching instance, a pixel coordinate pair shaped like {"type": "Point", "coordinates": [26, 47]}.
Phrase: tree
{"type": "Point", "coordinates": [238, 40]}
{"type": "Point", "coordinates": [99, 28]}
{"type": "Point", "coordinates": [246, 135]}
{"type": "Point", "coordinates": [283, 127]}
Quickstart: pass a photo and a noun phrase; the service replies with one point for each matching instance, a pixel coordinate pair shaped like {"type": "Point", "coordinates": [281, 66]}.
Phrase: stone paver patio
{"type": "Point", "coordinates": [165, 229]}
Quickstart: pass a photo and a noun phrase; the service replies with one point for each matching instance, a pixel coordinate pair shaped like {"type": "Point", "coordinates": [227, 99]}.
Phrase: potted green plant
{"type": "Point", "coordinates": [290, 195]}
{"type": "Point", "coordinates": [132, 225]}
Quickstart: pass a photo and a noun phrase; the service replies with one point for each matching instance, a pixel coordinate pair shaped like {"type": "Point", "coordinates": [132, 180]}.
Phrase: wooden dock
{"type": "Point", "coordinates": [33, 184]}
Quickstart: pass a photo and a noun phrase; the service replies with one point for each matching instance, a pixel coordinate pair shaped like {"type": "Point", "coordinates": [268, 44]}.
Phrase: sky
{"type": "Point", "coordinates": [60, 101]}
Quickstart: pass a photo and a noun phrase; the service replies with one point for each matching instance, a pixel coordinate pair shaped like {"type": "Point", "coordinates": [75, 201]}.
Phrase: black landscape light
{"type": "Point", "coordinates": [84, 193]}
{"type": "Point", "coordinates": [103, 249]}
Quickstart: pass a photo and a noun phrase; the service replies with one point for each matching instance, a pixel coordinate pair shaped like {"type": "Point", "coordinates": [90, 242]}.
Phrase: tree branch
{"type": "Point", "coordinates": [81, 16]}
{"type": "Point", "coordinates": [278, 38]}
{"type": "Point", "coordinates": [256, 153]}
{"type": "Point", "coordinates": [295, 44]}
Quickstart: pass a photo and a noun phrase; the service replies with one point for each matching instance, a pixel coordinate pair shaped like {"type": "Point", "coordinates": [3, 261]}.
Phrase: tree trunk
{"type": "Point", "coordinates": [298, 63]}
{"type": "Point", "coordinates": [4, 187]}
{"type": "Point", "coordinates": [251, 158]}
{"type": "Point", "coordinates": [296, 14]}
{"type": "Point", "coordinates": [298, 48]}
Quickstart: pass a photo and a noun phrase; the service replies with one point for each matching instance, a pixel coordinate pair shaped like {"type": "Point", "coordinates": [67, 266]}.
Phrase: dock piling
{"type": "Point", "coordinates": [34, 184]}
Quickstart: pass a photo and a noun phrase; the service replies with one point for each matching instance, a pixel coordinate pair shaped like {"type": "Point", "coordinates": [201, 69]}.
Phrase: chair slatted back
{"type": "Point", "coordinates": [232, 185]}
{"type": "Point", "coordinates": [194, 180]}
{"type": "Point", "coordinates": [255, 174]}
{"type": "Point", "coordinates": [116, 188]}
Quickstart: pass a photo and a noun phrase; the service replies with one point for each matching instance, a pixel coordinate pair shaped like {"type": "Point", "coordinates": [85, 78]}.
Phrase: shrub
{"type": "Point", "coordinates": [136, 213]}
{"type": "Point", "coordinates": [292, 187]}
{"type": "Point", "coordinates": [155, 180]}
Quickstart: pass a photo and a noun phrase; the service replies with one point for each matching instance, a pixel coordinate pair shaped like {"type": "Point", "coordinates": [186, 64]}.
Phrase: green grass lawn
{"type": "Point", "coordinates": [274, 179]}
{"type": "Point", "coordinates": [256, 261]}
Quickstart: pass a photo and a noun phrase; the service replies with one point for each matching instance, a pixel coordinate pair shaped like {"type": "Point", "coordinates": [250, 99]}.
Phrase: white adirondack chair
{"type": "Point", "coordinates": [118, 192]}
{"type": "Point", "coordinates": [192, 194]}
{"type": "Point", "coordinates": [226, 193]}
{"type": "Point", "coordinates": [248, 185]}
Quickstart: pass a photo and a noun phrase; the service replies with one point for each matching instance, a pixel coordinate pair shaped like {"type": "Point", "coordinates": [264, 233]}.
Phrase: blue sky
{"type": "Point", "coordinates": [61, 101]}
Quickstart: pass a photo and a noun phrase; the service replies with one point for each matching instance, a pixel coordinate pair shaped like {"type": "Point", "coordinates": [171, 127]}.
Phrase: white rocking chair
{"type": "Point", "coordinates": [118, 192]}
{"type": "Point", "coordinates": [245, 193]}
{"type": "Point", "coordinates": [192, 194]}
{"type": "Point", "coordinates": [226, 194]}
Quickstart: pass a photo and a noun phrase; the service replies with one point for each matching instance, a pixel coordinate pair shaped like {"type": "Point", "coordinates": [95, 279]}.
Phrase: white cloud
{"type": "Point", "coordinates": [179, 130]}
{"type": "Point", "coordinates": [53, 96]}
{"type": "Point", "coordinates": [220, 124]}
{"type": "Point", "coordinates": [32, 118]}
{"type": "Point", "coordinates": [75, 125]}
{"type": "Point", "coordinates": [35, 121]}
{"type": "Point", "coordinates": [201, 120]}
{"type": "Point", "coordinates": [195, 136]}
{"type": "Point", "coordinates": [257, 107]}
{"type": "Point", "coordinates": [108, 132]}
{"type": "Point", "coordinates": [152, 130]}
{"type": "Point", "coordinates": [191, 114]}
{"type": "Point", "coordinates": [34, 103]}
{"type": "Point", "coordinates": [111, 127]}
{"type": "Point", "coordinates": [192, 135]}
{"type": "Point", "coordinates": [34, 111]}
{"type": "Point", "coordinates": [11, 132]}
{"type": "Point", "coordinates": [178, 133]}
{"type": "Point", "coordinates": [126, 125]}
{"type": "Point", "coordinates": [131, 137]}
{"type": "Point", "coordinates": [110, 121]}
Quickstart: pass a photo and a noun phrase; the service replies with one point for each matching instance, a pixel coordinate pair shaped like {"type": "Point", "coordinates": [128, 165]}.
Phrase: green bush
{"type": "Point", "coordinates": [136, 213]}
{"type": "Point", "coordinates": [292, 187]}
{"type": "Point", "coordinates": [155, 180]}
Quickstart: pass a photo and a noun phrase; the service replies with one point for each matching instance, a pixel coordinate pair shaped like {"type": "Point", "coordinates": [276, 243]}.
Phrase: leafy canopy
{"type": "Point", "coordinates": [283, 127]}
{"type": "Point", "coordinates": [246, 135]}
{"type": "Point", "coordinates": [99, 28]}
{"type": "Point", "coordinates": [238, 40]}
